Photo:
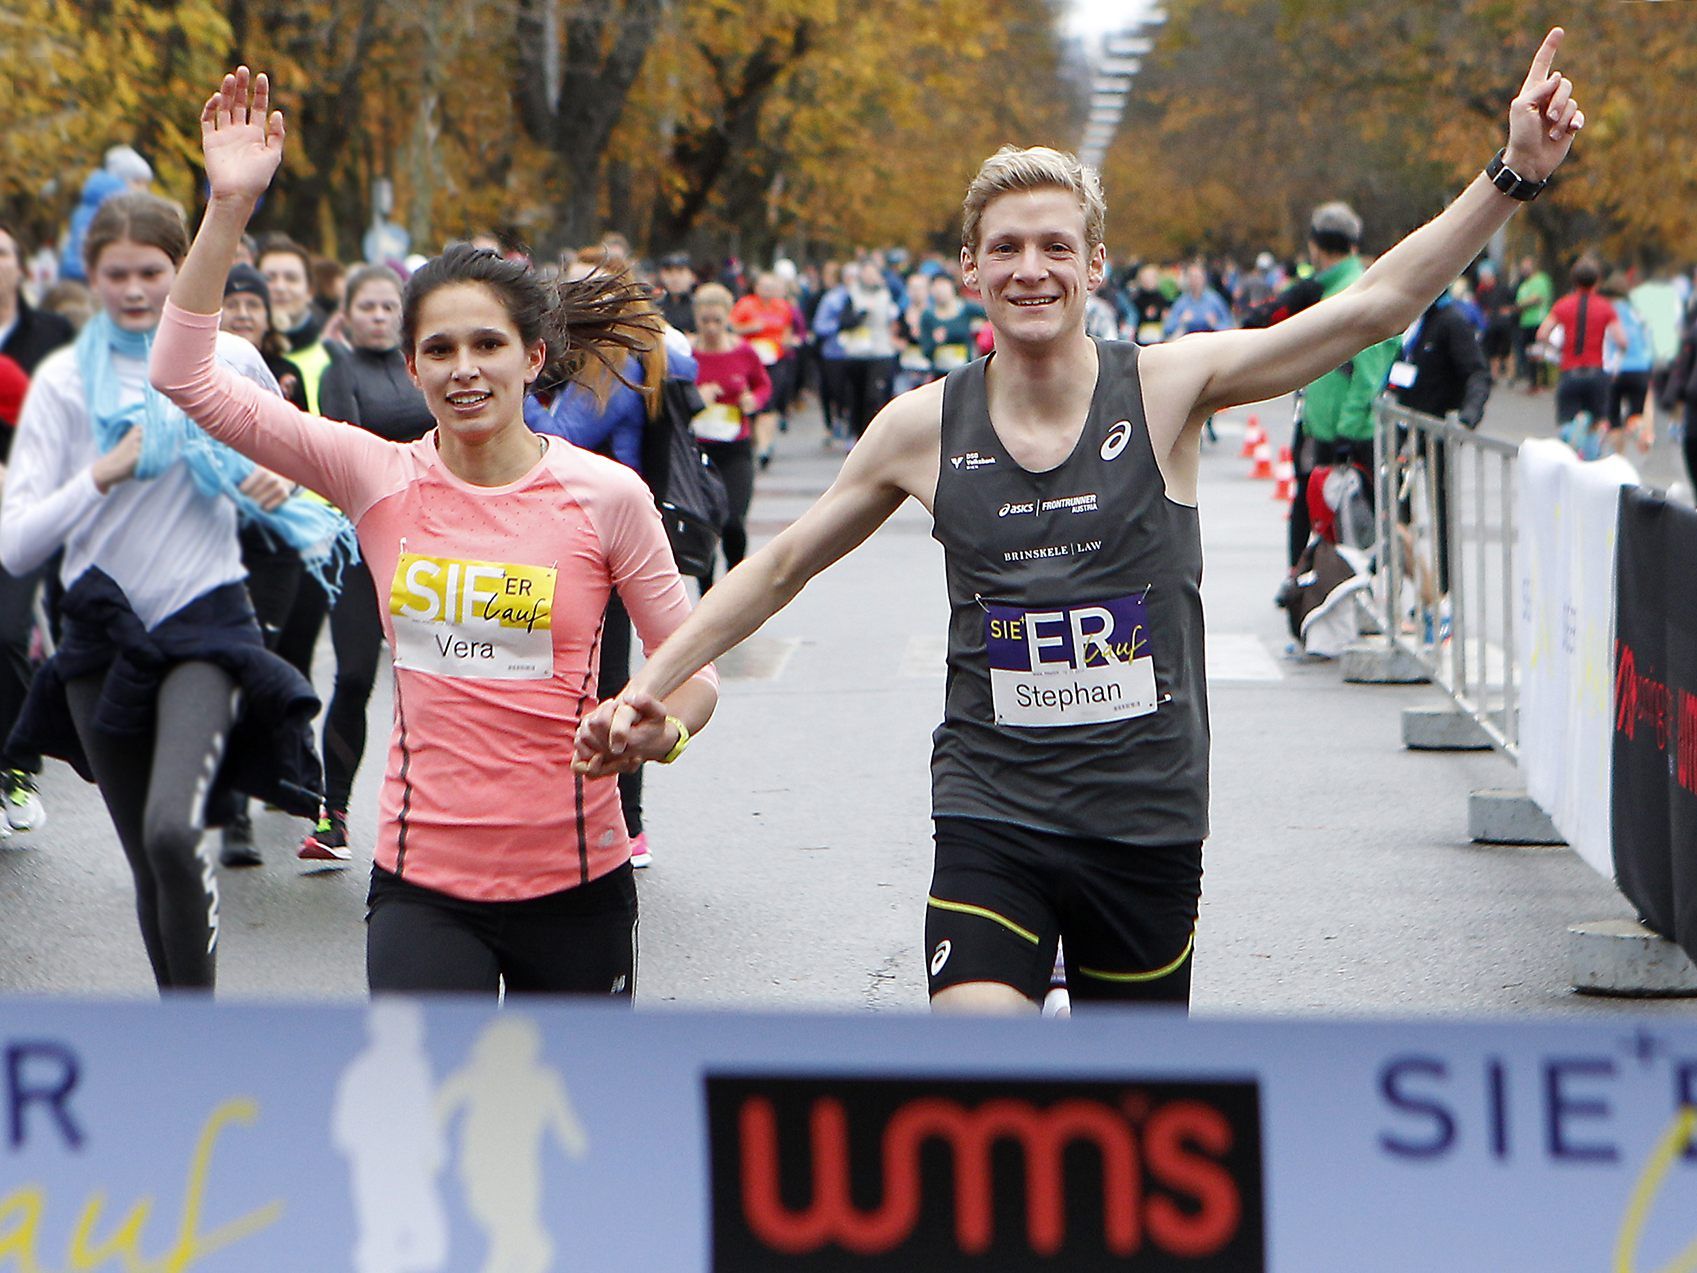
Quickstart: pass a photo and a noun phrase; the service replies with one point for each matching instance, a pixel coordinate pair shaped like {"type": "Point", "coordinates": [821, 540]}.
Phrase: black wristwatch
{"type": "Point", "coordinates": [1511, 182]}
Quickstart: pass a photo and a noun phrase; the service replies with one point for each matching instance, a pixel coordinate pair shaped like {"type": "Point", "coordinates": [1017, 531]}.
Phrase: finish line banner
{"type": "Point", "coordinates": [451, 1136]}
{"type": "Point", "coordinates": [1654, 800]}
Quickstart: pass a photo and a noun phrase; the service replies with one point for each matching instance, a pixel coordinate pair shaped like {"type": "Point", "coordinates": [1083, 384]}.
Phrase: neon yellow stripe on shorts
{"type": "Point", "coordinates": [966, 908]}
{"type": "Point", "coordinates": [1156, 975]}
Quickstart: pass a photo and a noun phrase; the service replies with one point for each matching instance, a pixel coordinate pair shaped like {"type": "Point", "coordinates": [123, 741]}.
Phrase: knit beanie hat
{"type": "Point", "coordinates": [244, 278]}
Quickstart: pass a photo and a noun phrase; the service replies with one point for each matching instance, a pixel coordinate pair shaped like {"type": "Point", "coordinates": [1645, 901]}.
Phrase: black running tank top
{"type": "Point", "coordinates": [1076, 699]}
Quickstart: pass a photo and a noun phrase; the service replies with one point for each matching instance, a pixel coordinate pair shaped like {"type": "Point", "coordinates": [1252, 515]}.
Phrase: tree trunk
{"type": "Point", "coordinates": [571, 91]}
{"type": "Point", "coordinates": [705, 156]}
{"type": "Point", "coordinates": [580, 211]}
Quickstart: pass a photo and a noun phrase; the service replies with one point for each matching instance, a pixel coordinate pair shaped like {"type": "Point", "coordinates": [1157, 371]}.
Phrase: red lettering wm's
{"type": "Point", "coordinates": [1688, 741]}
{"type": "Point", "coordinates": [1177, 1139]}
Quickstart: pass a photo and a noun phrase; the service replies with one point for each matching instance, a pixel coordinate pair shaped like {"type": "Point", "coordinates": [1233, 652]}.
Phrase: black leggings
{"type": "Point", "coordinates": [786, 381]}
{"type": "Point", "coordinates": [866, 388]}
{"type": "Point", "coordinates": [735, 462]}
{"type": "Point", "coordinates": [155, 791]}
{"type": "Point", "coordinates": [17, 622]}
{"type": "Point", "coordinates": [274, 576]}
{"type": "Point", "coordinates": [614, 676]}
{"type": "Point", "coordinates": [356, 634]}
{"type": "Point", "coordinates": [580, 941]}
{"type": "Point", "coordinates": [1691, 443]}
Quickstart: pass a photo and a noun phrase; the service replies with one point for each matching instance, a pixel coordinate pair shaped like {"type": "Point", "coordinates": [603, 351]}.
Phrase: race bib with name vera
{"type": "Point", "coordinates": [481, 619]}
{"type": "Point", "coordinates": [1070, 665]}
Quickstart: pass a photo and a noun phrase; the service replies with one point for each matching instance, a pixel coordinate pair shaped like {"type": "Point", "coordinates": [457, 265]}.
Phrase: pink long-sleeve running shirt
{"type": "Point", "coordinates": [492, 600]}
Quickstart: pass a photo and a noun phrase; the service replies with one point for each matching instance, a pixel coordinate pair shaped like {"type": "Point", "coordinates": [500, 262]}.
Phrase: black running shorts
{"type": "Point", "coordinates": [581, 941]}
{"type": "Point", "coordinates": [1001, 895]}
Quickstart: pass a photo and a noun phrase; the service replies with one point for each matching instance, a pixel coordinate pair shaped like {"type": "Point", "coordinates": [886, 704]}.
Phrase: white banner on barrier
{"type": "Point", "coordinates": [1567, 517]}
{"type": "Point", "coordinates": [449, 1136]}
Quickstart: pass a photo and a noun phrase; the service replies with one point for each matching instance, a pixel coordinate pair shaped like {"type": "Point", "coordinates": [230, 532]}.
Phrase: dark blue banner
{"type": "Point", "coordinates": [1654, 800]}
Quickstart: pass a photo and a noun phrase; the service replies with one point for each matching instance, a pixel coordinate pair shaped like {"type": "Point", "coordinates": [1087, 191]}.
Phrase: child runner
{"type": "Point", "coordinates": [161, 672]}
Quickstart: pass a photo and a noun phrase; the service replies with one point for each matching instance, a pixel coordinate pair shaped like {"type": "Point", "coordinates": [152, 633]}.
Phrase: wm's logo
{"type": "Point", "coordinates": [818, 1176]}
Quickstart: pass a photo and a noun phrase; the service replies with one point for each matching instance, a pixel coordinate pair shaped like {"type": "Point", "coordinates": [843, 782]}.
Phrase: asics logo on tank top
{"type": "Point", "coordinates": [1116, 440]}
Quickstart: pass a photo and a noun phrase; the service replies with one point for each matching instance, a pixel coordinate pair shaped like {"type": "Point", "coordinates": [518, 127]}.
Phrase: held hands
{"type": "Point", "coordinates": [622, 733]}
{"type": "Point", "coordinates": [1544, 118]}
{"type": "Point", "coordinates": [241, 136]}
{"type": "Point", "coordinates": [119, 464]}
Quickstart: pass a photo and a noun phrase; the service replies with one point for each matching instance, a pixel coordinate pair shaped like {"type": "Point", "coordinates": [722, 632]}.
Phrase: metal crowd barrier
{"type": "Point", "coordinates": [1445, 590]}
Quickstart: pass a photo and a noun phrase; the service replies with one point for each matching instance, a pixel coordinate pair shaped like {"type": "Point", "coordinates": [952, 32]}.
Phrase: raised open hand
{"type": "Point", "coordinates": [1544, 118]}
{"type": "Point", "coordinates": [241, 136]}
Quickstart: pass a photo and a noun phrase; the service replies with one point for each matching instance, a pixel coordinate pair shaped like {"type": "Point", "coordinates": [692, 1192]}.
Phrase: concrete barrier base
{"type": "Point", "coordinates": [1509, 817]}
{"type": "Point", "coordinates": [1441, 729]}
{"type": "Point", "coordinates": [1381, 663]}
{"type": "Point", "coordinates": [1622, 957]}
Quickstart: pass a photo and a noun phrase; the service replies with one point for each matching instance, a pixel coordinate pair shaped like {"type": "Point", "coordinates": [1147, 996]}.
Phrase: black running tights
{"type": "Point", "coordinates": [156, 795]}
{"type": "Point", "coordinates": [356, 634]}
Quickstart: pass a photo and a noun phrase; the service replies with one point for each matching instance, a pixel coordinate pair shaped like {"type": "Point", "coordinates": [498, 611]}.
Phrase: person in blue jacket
{"type": "Point", "coordinates": [609, 415]}
{"type": "Point", "coordinates": [121, 172]}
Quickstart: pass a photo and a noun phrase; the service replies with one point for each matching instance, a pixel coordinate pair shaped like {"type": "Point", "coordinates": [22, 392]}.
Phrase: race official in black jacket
{"type": "Point", "coordinates": [1443, 367]}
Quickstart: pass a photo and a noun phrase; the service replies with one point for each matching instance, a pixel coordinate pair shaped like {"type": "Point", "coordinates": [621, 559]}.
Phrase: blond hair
{"type": "Point", "coordinates": [1013, 169]}
{"type": "Point", "coordinates": [714, 294]}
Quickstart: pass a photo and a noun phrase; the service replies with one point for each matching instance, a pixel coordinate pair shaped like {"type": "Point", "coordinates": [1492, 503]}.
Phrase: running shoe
{"type": "Point", "coordinates": [238, 848]}
{"type": "Point", "coordinates": [328, 841]}
{"type": "Point", "coordinates": [639, 852]}
{"type": "Point", "coordinates": [24, 810]}
{"type": "Point", "coordinates": [1057, 1002]}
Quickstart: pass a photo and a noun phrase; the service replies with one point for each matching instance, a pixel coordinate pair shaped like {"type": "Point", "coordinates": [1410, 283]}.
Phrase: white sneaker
{"type": "Point", "coordinates": [22, 803]}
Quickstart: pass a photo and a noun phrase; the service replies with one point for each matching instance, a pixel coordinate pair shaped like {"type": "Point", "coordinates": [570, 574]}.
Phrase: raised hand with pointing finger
{"type": "Point", "coordinates": [1544, 118]}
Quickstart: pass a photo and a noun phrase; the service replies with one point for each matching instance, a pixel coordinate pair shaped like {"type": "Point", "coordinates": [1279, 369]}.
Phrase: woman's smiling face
{"type": "Point", "coordinates": [470, 361]}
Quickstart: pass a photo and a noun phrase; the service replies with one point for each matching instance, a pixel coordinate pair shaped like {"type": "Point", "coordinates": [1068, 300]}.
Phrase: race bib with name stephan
{"type": "Point", "coordinates": [482, 619]}
{"type": "Point", "coordinates": [1070, 665]}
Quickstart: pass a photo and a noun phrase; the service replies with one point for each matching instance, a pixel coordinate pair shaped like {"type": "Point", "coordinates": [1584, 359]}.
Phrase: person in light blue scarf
{"type": "Point", "coordinates": [161, 690]}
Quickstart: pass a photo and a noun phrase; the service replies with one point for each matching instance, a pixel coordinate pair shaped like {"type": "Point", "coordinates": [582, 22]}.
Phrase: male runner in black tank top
{"type": "Point", "coordinates": [1069, 776]}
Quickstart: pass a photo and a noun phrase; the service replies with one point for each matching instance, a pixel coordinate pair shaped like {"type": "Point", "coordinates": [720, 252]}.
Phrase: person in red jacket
{"type": "Point", "coordinates": [1586, 320]}
{"type": "Point", "coordinates": [736, 387]}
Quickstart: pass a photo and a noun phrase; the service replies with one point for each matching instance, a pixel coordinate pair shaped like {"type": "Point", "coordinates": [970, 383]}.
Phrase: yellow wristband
{"type": "Point", "coordinates": [678, 747]}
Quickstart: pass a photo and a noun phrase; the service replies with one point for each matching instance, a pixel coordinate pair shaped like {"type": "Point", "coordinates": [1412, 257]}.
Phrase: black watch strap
{"type": "Point", "coordinates": [1511, 182]}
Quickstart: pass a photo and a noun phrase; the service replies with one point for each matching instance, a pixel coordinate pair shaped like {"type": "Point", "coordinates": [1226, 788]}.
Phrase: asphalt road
{"type": "Point", "coordinates": [792, 843]}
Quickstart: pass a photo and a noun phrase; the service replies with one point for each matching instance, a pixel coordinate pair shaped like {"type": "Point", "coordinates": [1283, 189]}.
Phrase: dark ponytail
{"type": "Point", "coordinates": [594, 319]}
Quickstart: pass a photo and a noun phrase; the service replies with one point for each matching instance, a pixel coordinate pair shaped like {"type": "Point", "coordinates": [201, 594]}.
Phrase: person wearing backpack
{"type": "Point", "coordinates": [1442, 368]}
{"type": "Point", "coordinates": [1588, 322]}
{"type": "Point", "coordinates": [612, 416]}
{"type": "Point", "coordinates": [1681, 386]}
{"type": "Point", "coordinates": [1630, 360]}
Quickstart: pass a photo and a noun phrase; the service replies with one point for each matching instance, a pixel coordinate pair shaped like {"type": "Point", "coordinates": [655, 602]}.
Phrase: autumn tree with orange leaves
{"type": "Point", "coordinates": [814, 126]}
{"type": "Point", "coordinates": [1250, 112]}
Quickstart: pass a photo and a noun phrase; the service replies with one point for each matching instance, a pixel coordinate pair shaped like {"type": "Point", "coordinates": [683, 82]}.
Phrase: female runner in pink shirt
{"type": "Point", "coordinates": [493, 551]}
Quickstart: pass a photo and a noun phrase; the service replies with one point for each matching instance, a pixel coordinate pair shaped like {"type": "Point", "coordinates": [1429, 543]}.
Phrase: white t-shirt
{"type": "Point", "coordinates": [162, 541]}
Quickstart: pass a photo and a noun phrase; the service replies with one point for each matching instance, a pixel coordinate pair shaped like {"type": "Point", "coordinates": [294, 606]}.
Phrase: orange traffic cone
{"type": "Point", "coordinates": [1286, 476]}
{"type": "Point", "coordinates": [1253, 436]}
{"type": "Point", "coordinates": [1263, 461]}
